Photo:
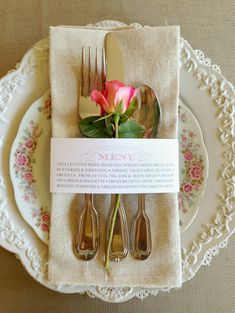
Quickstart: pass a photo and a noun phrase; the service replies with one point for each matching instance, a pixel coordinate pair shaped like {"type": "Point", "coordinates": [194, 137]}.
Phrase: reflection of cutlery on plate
{"type": "Point", "coordinates": [148, 114]}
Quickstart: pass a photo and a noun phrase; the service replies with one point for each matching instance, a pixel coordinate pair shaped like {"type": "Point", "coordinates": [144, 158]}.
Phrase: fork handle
{"type": "Point", "coordinates": [87, 237]}
{"type": "Point", "coordinates": [141, 244]}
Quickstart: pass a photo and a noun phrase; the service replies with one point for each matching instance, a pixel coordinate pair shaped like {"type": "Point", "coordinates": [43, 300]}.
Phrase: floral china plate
{"type": "Point", "coordinates": [210, 97]}
{"type": "Point", "coordinates": [193, 165]}
{"type": "Point", "coordinates": [29, 166]}
{"type": "Point", "coordinates": [30, 155]}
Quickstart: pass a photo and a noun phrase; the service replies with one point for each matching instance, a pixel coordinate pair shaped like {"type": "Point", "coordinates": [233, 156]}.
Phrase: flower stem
{"type": "Point", "coordinates": [111, 231]}
{"type": "Point", "coordinates": [116, 119]}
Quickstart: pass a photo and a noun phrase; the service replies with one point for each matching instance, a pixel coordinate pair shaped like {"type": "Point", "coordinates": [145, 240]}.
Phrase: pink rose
{"type": "Point", "coordinates": [110, 98]}
{"type": "Point", "coordinates": [45, 217]}
{"type": "Point", "coordinates": [187, 187]}
{"type": "Point", "coordinates": [45, 227]}
{"type": "Point", "coordinates": [188, 155]}
{"type": "Point", "coordinates": [28, 177]}
{"type": "Point", "coordinates": [29, 144]}
{"type": "Point", "coordinates": [196, 172]}
{"type": "Point", "coordinates": [21, 159]}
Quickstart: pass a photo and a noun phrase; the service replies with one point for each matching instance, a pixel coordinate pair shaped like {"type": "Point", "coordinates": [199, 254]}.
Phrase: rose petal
{"type": "Point", "coordinates": [97, 97]}
{"type": "Point", "coordinates": [133, 93]}
{"type": "Point", "coordinates": [124, 94]}
{"type": "Point", "coordinates": [112, 88]}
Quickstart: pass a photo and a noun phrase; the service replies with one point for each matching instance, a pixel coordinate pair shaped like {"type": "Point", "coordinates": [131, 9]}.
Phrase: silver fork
{"type": "Point", "coordinates": [86, 85]}
{"type": "Point", "coordinates": [87, 237]}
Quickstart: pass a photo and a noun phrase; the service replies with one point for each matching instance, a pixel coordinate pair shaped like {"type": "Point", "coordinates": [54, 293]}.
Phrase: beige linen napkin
{"type": "Point", "coordinates": [150, 57]}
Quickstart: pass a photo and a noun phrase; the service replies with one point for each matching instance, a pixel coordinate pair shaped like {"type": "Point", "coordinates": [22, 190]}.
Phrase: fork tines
{"type": "Point", "coordinates": [90, 72]}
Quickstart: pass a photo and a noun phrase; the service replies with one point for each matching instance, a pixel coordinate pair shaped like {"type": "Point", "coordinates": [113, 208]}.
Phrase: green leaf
{"type": "Point", "coordinates": [108, 123]}
{"type": "Point", "coordinates": [95, 130]}
{"type": "Point", "coordinates": [130, 129]}
{"type": "Point", "coordinates": [119, 108]}
{"type": "Point", "coordinates": [132, 107]}
{"type": "Point", "coordinates": [116, 118]}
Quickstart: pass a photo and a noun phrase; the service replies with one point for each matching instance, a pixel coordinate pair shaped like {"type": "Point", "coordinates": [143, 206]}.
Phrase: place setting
{"type": "Point", "coordinates": [111, 184]}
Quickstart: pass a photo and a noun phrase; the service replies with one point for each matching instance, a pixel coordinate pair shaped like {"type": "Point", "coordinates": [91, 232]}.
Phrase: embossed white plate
{"type": "Point", "coordinates": [29, 166]}
{"type": "Point", "coordinates": [210, 97]}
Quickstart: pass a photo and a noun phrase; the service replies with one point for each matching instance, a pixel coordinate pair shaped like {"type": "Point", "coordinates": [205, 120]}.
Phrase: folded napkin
{"type": "Point", "coordinates": [150, 57]}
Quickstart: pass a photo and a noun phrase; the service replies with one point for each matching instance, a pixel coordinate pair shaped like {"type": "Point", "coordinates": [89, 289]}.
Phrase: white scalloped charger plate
{"type": "Point", "coordinates": [29, 166]}
{"type": "Point", "coordinates": [211, 98]}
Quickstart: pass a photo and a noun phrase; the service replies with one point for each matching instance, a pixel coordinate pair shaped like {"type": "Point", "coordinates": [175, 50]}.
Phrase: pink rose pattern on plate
{"type": "Point", "coordinates": [181, 115]}
{"type": "Point", "coordinates": [24, 160]}
{"type": "Point", "coordinates": [46, 108]}
{"type": "Point", "coordinates": [23, 166]}
{"type": "Point", "coordinates": [193, 172]}
{"type": "Point", "coordinates": [42, 218]}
